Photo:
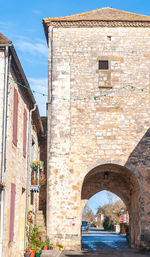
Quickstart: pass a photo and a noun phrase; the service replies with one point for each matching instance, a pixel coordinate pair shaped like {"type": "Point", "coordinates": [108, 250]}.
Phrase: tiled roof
{"type": "Point", "coordinates": [4, 40]}
{"type": "Point", "coordinates": [104, 14]}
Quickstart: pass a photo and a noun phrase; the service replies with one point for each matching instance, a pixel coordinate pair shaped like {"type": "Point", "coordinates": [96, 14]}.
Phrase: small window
{"type": "Point", "coordinates": [103, 65]}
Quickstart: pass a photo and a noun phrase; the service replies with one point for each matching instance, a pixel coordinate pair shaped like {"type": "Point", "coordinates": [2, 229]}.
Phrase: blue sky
{"type": "Point", "coordinates": [100, 199]}
{"type": "Point", "coordinates": [21, 22]}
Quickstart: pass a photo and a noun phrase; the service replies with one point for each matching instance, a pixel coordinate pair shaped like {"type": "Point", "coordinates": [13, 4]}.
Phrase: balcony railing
{"type": "Point", "coordinates": [35, 175]}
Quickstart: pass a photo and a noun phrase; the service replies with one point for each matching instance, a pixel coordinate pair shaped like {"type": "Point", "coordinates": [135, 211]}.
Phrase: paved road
{"type": "Point", "coordinates": [96, 239]}
{"type": "Point", "coordinates": [98, 243]}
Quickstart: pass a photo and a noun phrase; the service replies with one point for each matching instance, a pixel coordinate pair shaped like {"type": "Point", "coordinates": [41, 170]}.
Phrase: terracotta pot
{"type": "Point", "coordinates": [34, 182]}
{"type": "Point", "coordinates": [32, 252]}
{"type": "Point", "coordinates": [45, 247]}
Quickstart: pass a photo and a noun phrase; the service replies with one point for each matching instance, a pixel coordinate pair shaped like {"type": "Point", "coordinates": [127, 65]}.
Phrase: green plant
{"type": "Point", "coordinates": [34, 239]}
{"type": "Point", "coordinates": [60, 246]}
{"type": "Point", "coordinates": [47, 242]}
{"type": "Point", "coordinates": [37, 163]}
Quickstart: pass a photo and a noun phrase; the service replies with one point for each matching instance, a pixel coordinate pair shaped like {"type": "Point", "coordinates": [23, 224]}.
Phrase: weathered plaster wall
{"type": "Point", "coordinates": [16, 172]}
{"type": "Point", "coordinates": [82, 131]}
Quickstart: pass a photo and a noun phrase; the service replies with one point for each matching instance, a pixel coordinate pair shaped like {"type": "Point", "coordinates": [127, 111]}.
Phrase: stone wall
{"type": "Point", "coordinates": [95, 117]}
{"type": "Point", "coordinates": [16, 172]}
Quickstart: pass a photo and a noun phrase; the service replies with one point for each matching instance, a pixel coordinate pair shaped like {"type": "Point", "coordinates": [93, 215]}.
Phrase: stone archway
{"type": "Point", "coordinates": [122, 182]}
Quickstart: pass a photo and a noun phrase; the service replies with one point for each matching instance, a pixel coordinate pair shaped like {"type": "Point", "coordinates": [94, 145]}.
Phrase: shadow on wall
{"type": "Point", "coordinates": [139, 163]}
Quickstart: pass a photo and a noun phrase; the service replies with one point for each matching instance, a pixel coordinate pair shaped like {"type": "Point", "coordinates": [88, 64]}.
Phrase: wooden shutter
{"type": "Point", "coordinates": [24, 132]}
{"type": "Point", "coordinates": [12, 212]}
{"type": "Point", "coordinates": [15, 117]}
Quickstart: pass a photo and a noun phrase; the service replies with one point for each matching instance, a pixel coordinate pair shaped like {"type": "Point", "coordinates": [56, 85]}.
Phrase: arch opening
{"type": "Point", "coordinates": [108, 222]}
{"type": "Point", "coordinates": [122, 182]}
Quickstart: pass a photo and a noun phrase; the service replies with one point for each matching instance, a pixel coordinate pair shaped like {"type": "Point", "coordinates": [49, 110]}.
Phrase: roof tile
{"type": "Point", "coordinates": [103, 14]}
{"type": "Point", "coordinates": [4, 40]}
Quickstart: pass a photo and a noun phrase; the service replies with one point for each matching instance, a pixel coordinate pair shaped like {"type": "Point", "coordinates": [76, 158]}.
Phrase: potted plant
{"type": "Point", "coordinates": [47, 244]}
{"type": "Point", "coordinates": [33, 239]}
{"type": "Point", "coordinates": [38, 252]}
{"type": "Point", "coordinates": [35, 164]}
{"type": "Point", "coordinates": [27, 254]}
{"type": "Point", "coordinates": [33, 180]}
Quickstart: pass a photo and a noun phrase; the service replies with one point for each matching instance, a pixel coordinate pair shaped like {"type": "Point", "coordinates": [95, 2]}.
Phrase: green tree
{"type": "Point", "coordinates": [112, 213]}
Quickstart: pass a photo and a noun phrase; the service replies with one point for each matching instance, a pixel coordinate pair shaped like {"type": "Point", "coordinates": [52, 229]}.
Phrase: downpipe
{"type": "Point", "coordinates": [28, 174]}
{"type": "Point", "coordinates": [4, 136]}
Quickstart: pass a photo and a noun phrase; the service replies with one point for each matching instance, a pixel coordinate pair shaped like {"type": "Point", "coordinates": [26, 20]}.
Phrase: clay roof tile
{"type": "Point", "coordinates": [4, 40]}
{"type": "Point", "coordinates": [103, 14]}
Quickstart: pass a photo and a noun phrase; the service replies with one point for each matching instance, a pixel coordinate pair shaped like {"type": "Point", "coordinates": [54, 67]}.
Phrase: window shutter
{"type": "Point", "coordinates": [15, 117]}
{"type": "Point", "coordinates": [12, 212]}
{"type": "Point", "coordinates": [24, 132]}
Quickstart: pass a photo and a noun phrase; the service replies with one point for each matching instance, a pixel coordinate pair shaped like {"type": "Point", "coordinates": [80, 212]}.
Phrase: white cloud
{"type": "Point", "coordinates": [39, 83]}
{"type": "Point", "coordinates": [33, 48]}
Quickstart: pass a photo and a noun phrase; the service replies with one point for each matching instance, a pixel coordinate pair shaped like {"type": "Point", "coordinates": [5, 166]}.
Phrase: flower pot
{"type": "Point", "coordinates": [45, 247]}
{"type": "Point", "coordinates": [27, 254]}
{"type": "Point", "coordinates": [37, 254]}
{"type": "Point", "coordinates": [34, 182]}
{"type": "Point", "coordinates": [32, 252]}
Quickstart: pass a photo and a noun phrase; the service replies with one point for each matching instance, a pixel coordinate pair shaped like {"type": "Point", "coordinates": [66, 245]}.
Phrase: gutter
{"type": "Point", "coordinates": [50, 93]}
{"type": "Point", "coordinates": [25, 81]}
{"type": "Point", "coordinates": [4, 138]}
{"type": "Point", "coordinates": [28, 175]}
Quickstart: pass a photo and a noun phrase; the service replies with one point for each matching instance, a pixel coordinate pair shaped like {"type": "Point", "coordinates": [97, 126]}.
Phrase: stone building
{"type": "Point", "coordinates": [18, 123]}
{"type": "Point", "coordinates": [98, 119]}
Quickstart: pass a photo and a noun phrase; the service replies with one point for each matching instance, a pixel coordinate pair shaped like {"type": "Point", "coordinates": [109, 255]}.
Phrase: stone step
{"type": "Point", "coordinates": [43, 228]}
{"type": "Point", "coordinates": [40, 220]}
{"type": "Point", "coordinates": [39, 212]}
{"type": "Point", "coordinates": [40, 224]}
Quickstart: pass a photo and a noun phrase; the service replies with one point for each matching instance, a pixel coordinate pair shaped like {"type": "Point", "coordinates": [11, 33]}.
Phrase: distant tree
{"type": "Point", "coordinates": [88, 215]}
{"type": "Point", "coordinates": [112, 213]}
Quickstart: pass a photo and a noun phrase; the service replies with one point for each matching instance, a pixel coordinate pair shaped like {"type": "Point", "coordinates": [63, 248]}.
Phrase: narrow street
{"type": "Point", "coordinates": [98, 243]}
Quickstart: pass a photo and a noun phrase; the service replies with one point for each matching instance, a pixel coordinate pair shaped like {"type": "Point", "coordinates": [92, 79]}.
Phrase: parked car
{"type": "Point", "coordinates": [84, 225]}
{"type": "Point", "coordinates": [93, 225]}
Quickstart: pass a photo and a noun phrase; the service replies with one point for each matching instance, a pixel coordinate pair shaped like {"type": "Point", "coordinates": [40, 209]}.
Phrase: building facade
{"type": "Point", "coordinates": [16, 126]}
{"type": "Point", "coordinates": [98, 119]}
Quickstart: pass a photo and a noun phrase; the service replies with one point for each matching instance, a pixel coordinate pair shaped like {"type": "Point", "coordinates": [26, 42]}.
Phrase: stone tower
{"type": "Point", "coordinates": [98, 119]}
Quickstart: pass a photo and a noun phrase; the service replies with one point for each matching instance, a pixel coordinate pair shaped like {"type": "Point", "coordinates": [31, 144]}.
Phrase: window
{"type": "Point", "coordinates": [103, 65]}
{"type": "Point", "coordinates": [15, 117]}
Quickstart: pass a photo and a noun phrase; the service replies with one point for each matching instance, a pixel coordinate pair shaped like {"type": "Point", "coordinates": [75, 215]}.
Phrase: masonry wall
{"type": "Point", "coordinates": [84, 131]}
{"type": "Point", "coordinates": [16, 172]}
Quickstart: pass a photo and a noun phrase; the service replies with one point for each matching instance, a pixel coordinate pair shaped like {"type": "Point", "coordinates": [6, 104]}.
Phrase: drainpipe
{"type": "Point", "coordinates": [4, 131]}
{"type": "Point", "coordinates": [28, 174]}
{"type": "Point", "coordinates": [49, 110]}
